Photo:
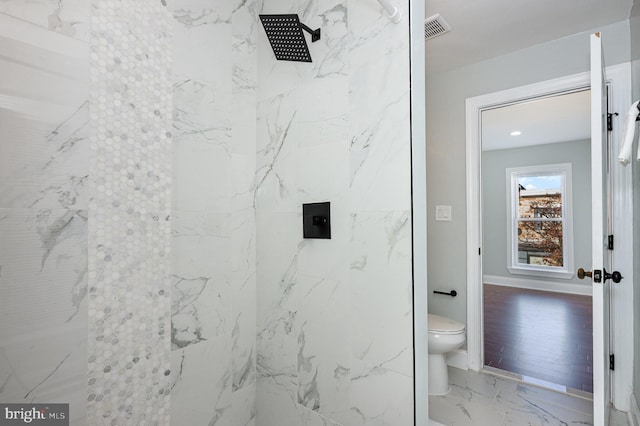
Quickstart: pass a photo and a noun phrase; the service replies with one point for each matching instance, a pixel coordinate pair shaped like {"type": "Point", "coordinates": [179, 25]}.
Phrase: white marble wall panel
{"type": "Point", "coordinates": [278, 295]}
{"type": "Point", "coordinates": [330, 54]}
{"type": "Point", "coordinates": [204, 21]}
{"type": "Point", "coordinates": [276, 398]}
{"type": "Point", "coordinates": [43, 214]}
{"type": "Point", "coordinates": [276, 363]}
{"type": "Point", "coordinates": [43, 119]}
{"type": "Point", "coordinates": [199, 113]}
{"type": "Point", "coordinates": [335, 130]}
{"type": "Point", "coordinates": [201, 293]}
{"type": "Point", "coordinates": [215, 104]}
{"type": "Point", "coordinates": [379, 116]}
{"type": "Point", "coordinates": [68, 17]}
{"type": "Point", "coordinates": [275, 181]}
{"type": "Point", "coordinates": [243, 406]}
{"type": "Point", "coordinates": [381, 307]}
{"type": "Point", "coordinates": [55, 84]}
{"type": "Point", "coordinates": [323, 346]}
{"type": "Point", "coordinates": [201, 389]}
{"type": "Point", "coordinates": [328, 259]}
{"type": "Point", "coordinates": [277, 405]}
{"type": "Point", "coordinates": [43, 308]}
{"type": "Point", "coordinates": [242, 185]}
{"type": "Point", "coordinates": [277, 292]}
{"type": "Point", "coordinates": [244, 330]}
{"type": "Point", "coordinates": [243, 240]}
{"type": "Point", "coordinates": [276, 77]}
{"type": "Point", "coordinates": [244, 123]}
{"type": "Point", "coordinates": [201, 241]}
{"type": "Point", "coordinates": [322, 171]}
{"type": "Point", "coordinates": [322, 175]}
{"type": "Point", "coordinates": [201, 158]}
{"type": "Point", "coordinates": [44, 165]}
{"type": "Point", "coordinates": [322, 123]}
{"type": "Point", "coordinates": [311, 418]}
{"type": "Point", "coordinates": [379, 397]}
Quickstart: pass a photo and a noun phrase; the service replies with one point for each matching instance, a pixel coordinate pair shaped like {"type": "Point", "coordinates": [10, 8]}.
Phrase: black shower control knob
{"type": "Point", "coordinates": [319, 220]}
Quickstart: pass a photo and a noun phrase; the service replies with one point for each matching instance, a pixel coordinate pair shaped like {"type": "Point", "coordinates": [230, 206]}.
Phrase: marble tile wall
{"type": "Point", "coordinates": [44, 153]}
{"type": "Point", "coordinates": [253, 139]}
{"type": "Point", "coordinates": [129, 290]}
{"type": "Point", "coordinates": [213, 331]}
{"type": "Point", "coordinates": [66, 17]}
{"type": "Point", "coordinates": [335, 316]}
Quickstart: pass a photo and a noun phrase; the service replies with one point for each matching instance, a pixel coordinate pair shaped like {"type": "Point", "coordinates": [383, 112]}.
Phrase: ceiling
{"type": "Point", "coordinates": [554, 119]}
{"type": "Point", "coordinates": [488, 28]}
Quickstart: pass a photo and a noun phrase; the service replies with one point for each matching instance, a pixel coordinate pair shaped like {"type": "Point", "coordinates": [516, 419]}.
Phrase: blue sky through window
{"type": "Point", "coordinates": [541, 182]}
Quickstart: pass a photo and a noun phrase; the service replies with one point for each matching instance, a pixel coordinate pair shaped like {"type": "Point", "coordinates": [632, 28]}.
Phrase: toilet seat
{"type": "Point", "coordinates": [441, 325]}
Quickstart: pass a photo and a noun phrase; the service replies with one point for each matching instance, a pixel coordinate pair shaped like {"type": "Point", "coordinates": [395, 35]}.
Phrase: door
{"type": "Point", "coordinates": [600, 227]}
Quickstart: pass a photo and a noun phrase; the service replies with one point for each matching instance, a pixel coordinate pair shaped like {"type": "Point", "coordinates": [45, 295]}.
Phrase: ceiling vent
{"type": "Point", "coordinates": [435, 26]}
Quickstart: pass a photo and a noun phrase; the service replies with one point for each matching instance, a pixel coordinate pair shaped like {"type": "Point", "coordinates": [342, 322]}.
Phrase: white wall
{"type": "Point", "coordinates": [44, 153]}
{"type": "Point", "coordinates": [446, 95]}
{"type": "Point", "coordinates": [494, 204]}
{"type": "Point", "coordinates": [213, 331]}
{"type": "Point", "coordinates": [335, 316]}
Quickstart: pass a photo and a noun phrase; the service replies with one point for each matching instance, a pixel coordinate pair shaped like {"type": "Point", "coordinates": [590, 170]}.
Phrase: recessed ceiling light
{"type": "Point", "coordinates": [516, 133]}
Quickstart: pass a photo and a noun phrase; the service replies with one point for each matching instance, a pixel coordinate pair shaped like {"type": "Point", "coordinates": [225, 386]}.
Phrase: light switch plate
{"type": "Point", "coordinates": [443, 213]}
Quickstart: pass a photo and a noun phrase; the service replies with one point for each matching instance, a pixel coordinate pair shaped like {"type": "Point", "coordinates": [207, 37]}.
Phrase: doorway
{"type": "Point", "coordinates": [536, 221]}
{"type": "Point", "coordinates": [619, 77]}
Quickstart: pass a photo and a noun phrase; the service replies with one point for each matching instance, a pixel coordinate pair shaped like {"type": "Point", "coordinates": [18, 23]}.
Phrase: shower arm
{"type": "Point", "coordinates": [315, 34]}
{"type": "Point", "coordinates": [392, 11]}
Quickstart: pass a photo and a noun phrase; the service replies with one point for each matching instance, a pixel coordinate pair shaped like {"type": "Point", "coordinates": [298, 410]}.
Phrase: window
{"type": "Point", "coordinates": [540, 231]}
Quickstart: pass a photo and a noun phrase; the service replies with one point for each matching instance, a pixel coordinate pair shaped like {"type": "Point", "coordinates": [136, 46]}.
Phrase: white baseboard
{"type": "Point", "coordinates": [634, 412]}
{"type": "Point", "coordinates": [458, 358]}
{"type": "Point", "coordinates": [554, 286]}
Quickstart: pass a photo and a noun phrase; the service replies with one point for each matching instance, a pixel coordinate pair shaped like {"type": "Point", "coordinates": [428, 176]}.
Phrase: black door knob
{"type": "Point", "coordinates": [615, 276]}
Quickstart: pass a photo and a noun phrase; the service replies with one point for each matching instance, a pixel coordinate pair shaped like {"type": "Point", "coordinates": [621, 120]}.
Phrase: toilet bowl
{"type": "Point", "coordinates": [445, 335]}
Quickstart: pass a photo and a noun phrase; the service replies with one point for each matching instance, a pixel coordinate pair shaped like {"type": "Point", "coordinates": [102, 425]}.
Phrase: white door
{"type": "Point", "coordinates": [600, 227]}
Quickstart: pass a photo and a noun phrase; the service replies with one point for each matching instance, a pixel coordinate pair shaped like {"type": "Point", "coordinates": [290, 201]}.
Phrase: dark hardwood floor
{"type": "Point", "coordinates": [539, 334]}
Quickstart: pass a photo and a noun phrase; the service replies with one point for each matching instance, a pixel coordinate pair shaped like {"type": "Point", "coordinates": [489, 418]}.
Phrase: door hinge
{"type": "Point", "coordinates": [479, 251]}
{"type": "Point", "coordinates": [612, 362]}
{"type": "Point", "coordinates": [610, 242]}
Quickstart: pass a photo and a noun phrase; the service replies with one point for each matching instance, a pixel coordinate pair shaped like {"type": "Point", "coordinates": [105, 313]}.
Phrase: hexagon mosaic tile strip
{"type": "Point", "coordinates": [129, 225]}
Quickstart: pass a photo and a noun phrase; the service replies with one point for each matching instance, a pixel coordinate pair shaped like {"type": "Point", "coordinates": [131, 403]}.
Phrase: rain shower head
{"type": "Point", "coordinates": [286, 37]}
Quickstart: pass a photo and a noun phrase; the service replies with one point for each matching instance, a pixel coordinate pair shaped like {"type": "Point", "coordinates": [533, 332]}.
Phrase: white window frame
{"type": "Point", "coordinates": [512, 175]}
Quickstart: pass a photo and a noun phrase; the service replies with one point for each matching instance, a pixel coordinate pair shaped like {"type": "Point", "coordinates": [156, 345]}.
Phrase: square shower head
{"type": "Point", "coordinates": [286, 37]}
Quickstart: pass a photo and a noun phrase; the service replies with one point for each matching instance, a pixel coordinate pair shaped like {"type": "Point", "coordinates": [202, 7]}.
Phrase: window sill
{"type": "Point", "coordinates": [540, 272]}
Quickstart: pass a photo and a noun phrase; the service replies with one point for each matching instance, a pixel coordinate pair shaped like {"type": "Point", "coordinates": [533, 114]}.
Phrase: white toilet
{"type": "Point", "coordinates": [445, 335]}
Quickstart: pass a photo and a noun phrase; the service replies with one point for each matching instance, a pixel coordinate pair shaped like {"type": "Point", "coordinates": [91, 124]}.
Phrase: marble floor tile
{"type": "Point", "coordinates": [479, 399]}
